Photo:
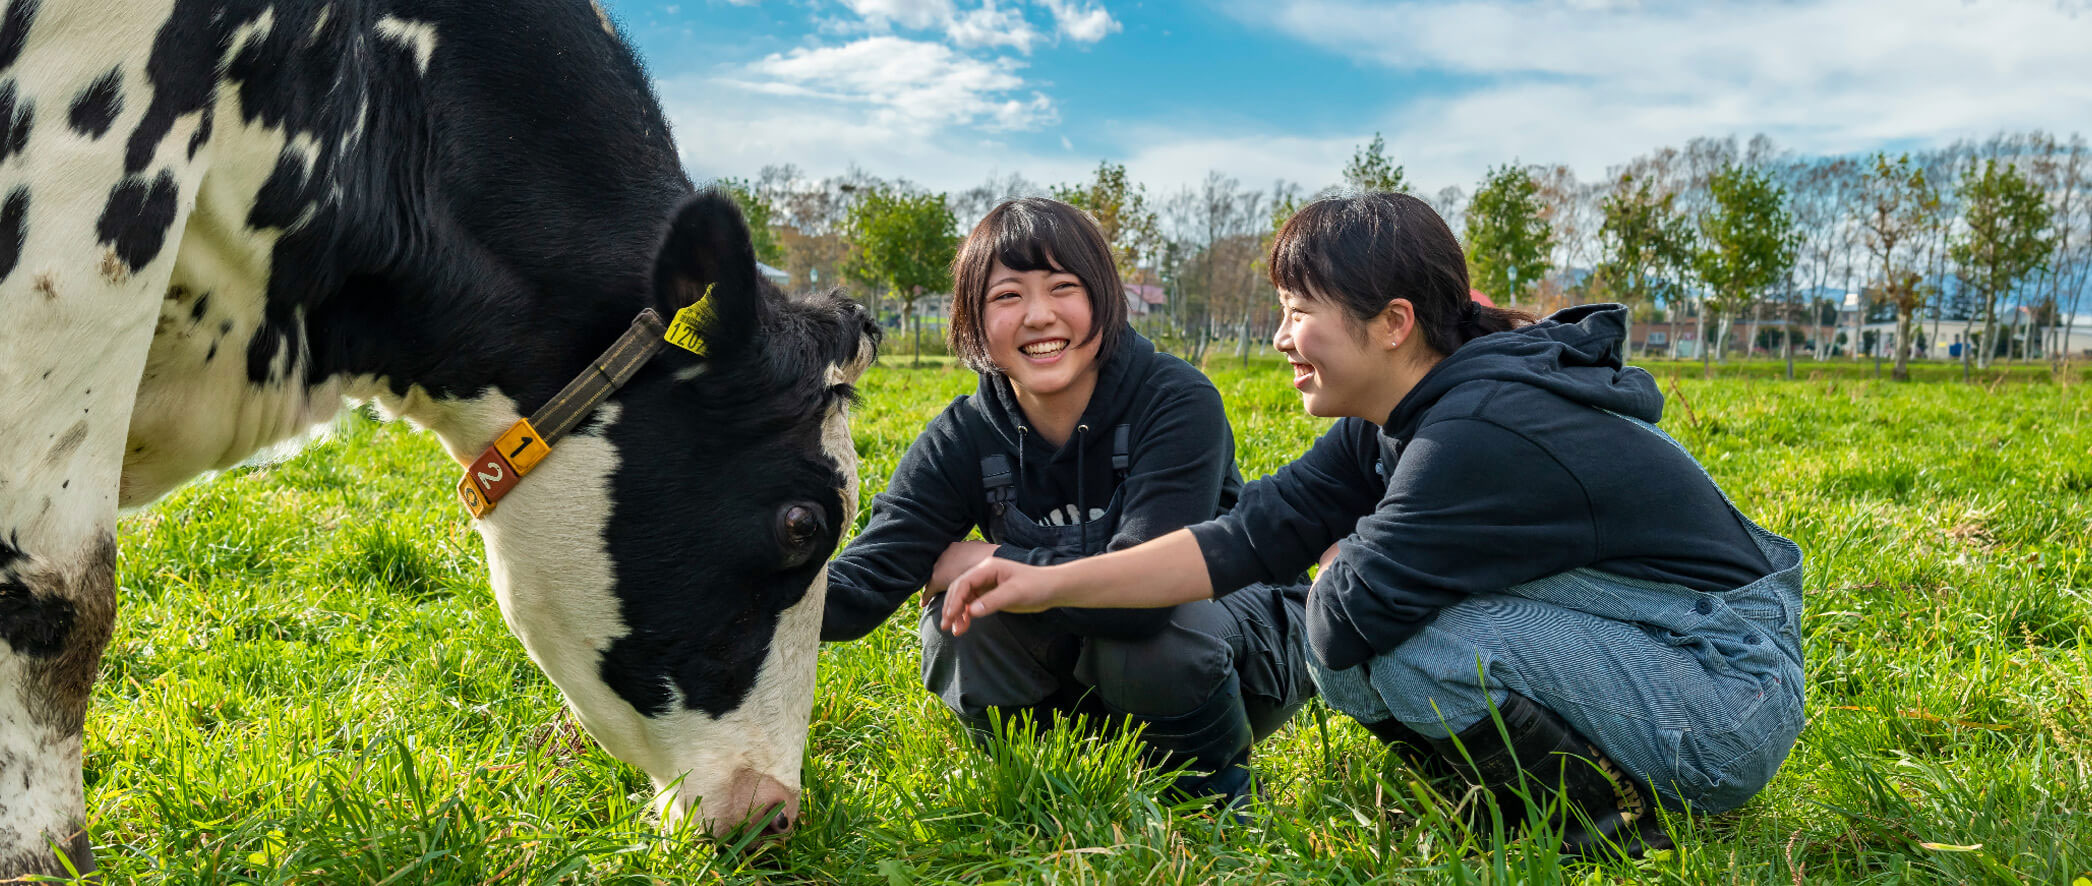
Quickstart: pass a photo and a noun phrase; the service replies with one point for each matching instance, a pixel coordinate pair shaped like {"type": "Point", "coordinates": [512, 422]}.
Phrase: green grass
{"type": "Point", "coordinates": [310, 683]}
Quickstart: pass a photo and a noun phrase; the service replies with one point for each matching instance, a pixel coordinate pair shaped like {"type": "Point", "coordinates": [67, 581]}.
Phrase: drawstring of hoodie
{"type": "Point", "coordinates": [1082, 504]}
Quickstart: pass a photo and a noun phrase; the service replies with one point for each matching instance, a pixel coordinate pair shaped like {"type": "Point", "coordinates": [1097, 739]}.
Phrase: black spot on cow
{"type": "Point", "coordinates": [34, 624]}
{"type": "Point", "coordinates": [212, 354]}
{"type": "Point", "coordinates": [183, 80]}
{"type": "Point", "coordinates": [224, 328]}
{"type": "Point", "coordinates": [14, 31]}
{"type": "Point", "coordinates": [15, 121]}
{"type": "Point", "coordinates": [95, 108]}
{"type": "Point", "coordinates": [289, 190]}
{"type": "Point", "coordinates": [201, 307]}
{"type": "Point", "coordinates": [136, 219]}
{"type": "Point", "coordinates": [203, 132]}
{"type": "Point", "coordinates": [14, 229]}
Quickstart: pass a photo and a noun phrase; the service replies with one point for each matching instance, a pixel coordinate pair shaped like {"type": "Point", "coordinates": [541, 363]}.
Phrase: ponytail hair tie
{"type": "Point", "coordinates": [1471, 313]}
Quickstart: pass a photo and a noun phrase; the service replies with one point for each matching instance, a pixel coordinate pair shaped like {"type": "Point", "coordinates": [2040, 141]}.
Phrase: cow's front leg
{"type": "Point", "coordinates": [56, 613]}
{"type": "Point", "coordinates": [90, 213]}
{"type": "Point", "coordinates": [70, 366]}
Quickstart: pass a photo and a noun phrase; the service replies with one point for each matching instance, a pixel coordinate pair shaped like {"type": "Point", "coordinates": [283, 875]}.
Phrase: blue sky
{"type": "Point", "coordinates": [949, 92]}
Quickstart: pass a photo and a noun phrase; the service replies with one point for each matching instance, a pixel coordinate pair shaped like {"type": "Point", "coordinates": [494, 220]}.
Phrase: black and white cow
{"type": "Point", "coordinates": [222, 219]}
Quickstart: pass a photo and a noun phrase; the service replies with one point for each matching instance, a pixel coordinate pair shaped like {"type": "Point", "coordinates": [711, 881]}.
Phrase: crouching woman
{"type": "Point", "coordinates": [1504, 535]}
{"type": "Point", "coordinates": [1081, 439]}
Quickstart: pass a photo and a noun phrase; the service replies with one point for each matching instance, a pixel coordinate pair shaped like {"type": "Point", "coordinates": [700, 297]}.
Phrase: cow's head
{"type": "Point", "coordinates": [666, 564]}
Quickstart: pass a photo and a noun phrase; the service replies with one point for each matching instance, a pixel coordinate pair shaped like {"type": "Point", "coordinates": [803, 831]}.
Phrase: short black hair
{"type": "Point", "coordinates": [1365, 251]}
{"type": "Point", "coordinates": [1034, 234]}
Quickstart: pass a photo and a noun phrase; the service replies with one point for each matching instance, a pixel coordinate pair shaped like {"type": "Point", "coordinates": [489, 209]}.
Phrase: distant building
{"type": "Point", "coordinates": [1142, 299]}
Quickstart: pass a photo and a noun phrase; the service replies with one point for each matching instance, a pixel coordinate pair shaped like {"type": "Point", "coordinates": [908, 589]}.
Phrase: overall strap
{"type": "Point", "coordinates": [997, 480]}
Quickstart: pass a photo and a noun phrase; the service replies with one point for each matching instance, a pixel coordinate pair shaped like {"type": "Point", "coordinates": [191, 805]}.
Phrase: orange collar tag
{"type": "Point", "coordinates": [495, 471]}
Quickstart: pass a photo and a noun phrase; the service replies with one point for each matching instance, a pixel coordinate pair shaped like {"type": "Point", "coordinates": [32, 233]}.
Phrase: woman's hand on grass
{"type": "Point", "coordinates": [997, 585]}
{"type": "Point", "coordinates": [956, 559]}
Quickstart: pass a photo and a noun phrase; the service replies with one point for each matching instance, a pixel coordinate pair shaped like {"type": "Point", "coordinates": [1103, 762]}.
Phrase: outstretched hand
{"type": "Point", "coordinates": [996, 585]}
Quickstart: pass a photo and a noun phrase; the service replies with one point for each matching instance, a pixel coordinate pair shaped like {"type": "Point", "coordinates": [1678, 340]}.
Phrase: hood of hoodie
{"type": "Point", "coordinates": [1574, 353]}
{"type": "Point", "coordinates": [1124, 372]}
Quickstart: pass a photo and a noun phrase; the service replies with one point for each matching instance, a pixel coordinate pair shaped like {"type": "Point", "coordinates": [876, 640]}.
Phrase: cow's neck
{"type": "Point", "coordinates": [412, 258]}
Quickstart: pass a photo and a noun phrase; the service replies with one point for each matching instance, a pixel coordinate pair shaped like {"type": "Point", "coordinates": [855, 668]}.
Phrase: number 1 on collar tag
{"type": "Point", "coordinates": [686, 330]}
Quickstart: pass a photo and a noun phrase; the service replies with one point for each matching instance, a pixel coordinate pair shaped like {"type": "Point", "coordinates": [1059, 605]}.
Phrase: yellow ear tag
{"type": "Point", "coordinates": [684, 331]}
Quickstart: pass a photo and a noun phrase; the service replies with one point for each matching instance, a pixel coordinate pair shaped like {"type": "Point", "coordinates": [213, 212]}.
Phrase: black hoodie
{"type": "Point", "coordinates": [1502, 466]}
{"type": "Point", "coordinates": [1182, 471]}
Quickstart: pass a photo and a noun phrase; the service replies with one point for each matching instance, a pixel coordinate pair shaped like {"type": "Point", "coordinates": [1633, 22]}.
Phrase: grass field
{"type": "Point", "coordinates": [310, 683]}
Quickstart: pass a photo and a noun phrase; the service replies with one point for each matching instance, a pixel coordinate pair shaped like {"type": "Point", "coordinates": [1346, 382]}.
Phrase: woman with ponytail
{"type": "Point", "coordinates": [1523, 581]}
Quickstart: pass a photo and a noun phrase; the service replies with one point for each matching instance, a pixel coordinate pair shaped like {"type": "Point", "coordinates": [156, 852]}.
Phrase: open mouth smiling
{"type": "Point", "coordinates": [1051, 347]}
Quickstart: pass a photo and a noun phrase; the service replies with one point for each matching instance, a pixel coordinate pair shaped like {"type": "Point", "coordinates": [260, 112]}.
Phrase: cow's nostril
{"type": "Point", "coordinates": [779, 824]}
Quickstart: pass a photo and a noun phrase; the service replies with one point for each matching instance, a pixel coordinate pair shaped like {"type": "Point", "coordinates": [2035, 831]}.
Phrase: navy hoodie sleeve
{"type": "Point", "coordinates": [1471, 507]}
{"type": "Point", "coordinates": [921, 513]}
{"type": "Point", "coordinates": [1182, 456]}
{"type": "Point", "coordinates": [1284, 522]}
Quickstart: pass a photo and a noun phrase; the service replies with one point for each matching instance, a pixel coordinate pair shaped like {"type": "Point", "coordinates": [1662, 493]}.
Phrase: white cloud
{"type": "Point", "coordinates": [907, 83]}
{"type": "Point", "coordinates": [906, 13]}
{"type": "Point", "coordinates": [1087, 23]}
{"type": "Point", "coordinates": [725, 127]}
{"type": "Point", "coordinates": [991, 26]}
{"type": "Point", "coordinates": [1593, 82]}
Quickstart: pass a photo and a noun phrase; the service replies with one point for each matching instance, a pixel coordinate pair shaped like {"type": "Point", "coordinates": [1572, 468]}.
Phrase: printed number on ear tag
{"type": "Point", "coordinates": [686, 330]}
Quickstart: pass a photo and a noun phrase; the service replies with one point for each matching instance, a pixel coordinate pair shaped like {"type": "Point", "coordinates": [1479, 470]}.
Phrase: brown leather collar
{"type": "Point", "coordinates": [519, 449]}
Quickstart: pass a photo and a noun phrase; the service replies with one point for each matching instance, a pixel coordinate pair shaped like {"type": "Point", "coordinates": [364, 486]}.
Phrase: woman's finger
{"type": "Point", "coordinates": [963, 590]}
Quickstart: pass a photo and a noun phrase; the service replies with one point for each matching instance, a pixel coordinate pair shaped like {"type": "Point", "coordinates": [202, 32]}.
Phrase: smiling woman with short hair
{"type": "Point", "coordinates": [1081, 439]}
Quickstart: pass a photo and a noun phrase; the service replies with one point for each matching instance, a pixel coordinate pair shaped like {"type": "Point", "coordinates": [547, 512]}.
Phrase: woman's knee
{"type": "Point", "coordinates": [996, 664]}
{"type": "Point", "coordinates": [1165, 675]}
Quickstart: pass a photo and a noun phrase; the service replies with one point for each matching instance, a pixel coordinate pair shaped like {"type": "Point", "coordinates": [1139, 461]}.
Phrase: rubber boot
{"type": "Point", "coordinates": [1602, 810]}
{"type": "Point", "coordinates": [1211, 741]}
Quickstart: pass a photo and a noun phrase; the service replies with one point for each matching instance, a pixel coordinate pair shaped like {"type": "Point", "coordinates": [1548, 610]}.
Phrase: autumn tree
{"type": "Point", "coordinates": [2004, 238]}
{"type": "Point", "coordinates": [1747, 243]}
{"type": "Point", "coordinates": [1508, 240]}
{"type": "Point", "coordinates": [1895, 195]}
{"type": "Point", "coordinates": [1122, 211]}
{"type": "Point", "coordinates": [904, 241]}
{"type": "Point", "coordinates": [760, 215]}
{"type": "Point", "coordinates": [2063, 169]}
{"type": "Point", "coordinates": [1645, 242]}
{"type": "Point", "coordinates": [1372, 170]}
{"type": "Point", "coordinates": [1822, 199]}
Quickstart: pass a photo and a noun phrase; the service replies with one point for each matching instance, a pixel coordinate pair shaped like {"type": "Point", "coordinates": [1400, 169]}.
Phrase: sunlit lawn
{"type": "Point", "coordinates": [310, 682]}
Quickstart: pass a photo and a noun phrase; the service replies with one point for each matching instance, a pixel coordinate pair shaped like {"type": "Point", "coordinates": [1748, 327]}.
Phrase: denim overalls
{"type": "Point", "coordinates": [1699, 694]}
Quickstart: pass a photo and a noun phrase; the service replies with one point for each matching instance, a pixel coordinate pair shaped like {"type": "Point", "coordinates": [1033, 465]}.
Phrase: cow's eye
{"type": "Point", "coordinates": [800, 528]}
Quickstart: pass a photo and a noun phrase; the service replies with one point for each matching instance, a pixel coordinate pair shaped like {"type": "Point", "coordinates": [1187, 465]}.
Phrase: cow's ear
{"type": "Point", "coordinates": [707, 257]}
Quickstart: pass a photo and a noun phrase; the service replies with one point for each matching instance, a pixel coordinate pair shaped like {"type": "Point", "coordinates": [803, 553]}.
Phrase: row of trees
{"type": "Point", "coordinates": [1955, 234]}
{"type": "Point", "coordinates": [1717, 232]}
